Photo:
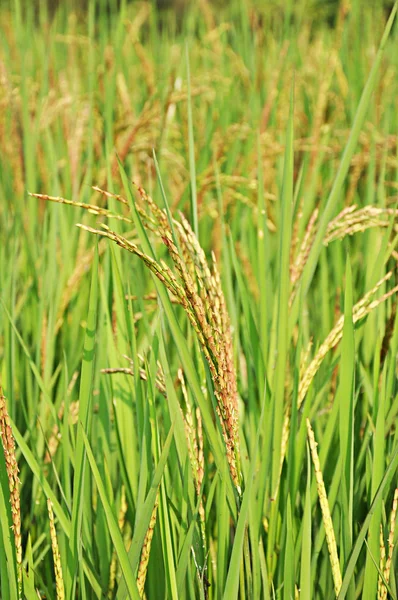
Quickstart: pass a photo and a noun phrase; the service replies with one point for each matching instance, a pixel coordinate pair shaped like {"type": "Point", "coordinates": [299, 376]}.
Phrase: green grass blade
{"type": "Point", "coordinates": [289, 576]}
{"type": "Point", "coordinates": [37, 471]}
{"type": "Point", "coordinates": [232, 583]}
{"type": "Point", "coordinates": [285, 232]}
{"type": "Point", "coordinates": [85, 418]}
{"type": "Point", "coordinates": [141, 525]}
{"type": "Point", "coordinates": [114, 531]}
{"type": "Point", "coordinates": [378, 466]}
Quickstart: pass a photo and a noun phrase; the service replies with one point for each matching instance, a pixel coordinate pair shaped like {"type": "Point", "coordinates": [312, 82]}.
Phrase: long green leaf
{"type": "Point", "coordinates": [114, 530]}
{"type": "Point", "coordinates": [232, 583]}
{"type": "Point", "coordinates": [75, 546]}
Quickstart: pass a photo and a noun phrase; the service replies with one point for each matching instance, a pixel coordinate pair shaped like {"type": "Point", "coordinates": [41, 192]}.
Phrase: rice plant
{"type": "Point", "coordinates": [199, 381]}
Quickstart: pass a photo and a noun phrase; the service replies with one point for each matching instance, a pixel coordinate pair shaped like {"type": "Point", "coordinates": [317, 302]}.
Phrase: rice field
{"type": "Point", "coordinates": [198, 300]}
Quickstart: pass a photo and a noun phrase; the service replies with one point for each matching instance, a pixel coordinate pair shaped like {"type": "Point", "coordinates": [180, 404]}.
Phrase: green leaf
{"type": "Point", "coordinates": [142, 524]}
{"type": "Point", "coordinates": [232, 583]}
{"type": "Point", "coordinates": [87, 372]}
{"type": "Point", "coordinates": [288, 576]}
{"type": "Point", "coordinates": [128, 572]}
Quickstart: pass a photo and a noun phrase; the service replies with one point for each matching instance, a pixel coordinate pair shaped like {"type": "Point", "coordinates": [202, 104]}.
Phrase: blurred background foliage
{"type": "Point", "coordinates": [320, 10]}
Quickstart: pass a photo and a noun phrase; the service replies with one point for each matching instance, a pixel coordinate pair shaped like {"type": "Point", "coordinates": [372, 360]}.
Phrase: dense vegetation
{"type": "Point", "coordinates": [198, 385]}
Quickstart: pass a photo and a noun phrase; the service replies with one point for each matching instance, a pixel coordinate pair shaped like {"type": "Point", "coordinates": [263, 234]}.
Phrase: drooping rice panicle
{"type": "Point", "coordinates": [349, 221]}
{"type": "Point", "coordinates": [382, 565]}
{"type": "Point", "coordinates": [59, 580]}
{"type": "Point", "coordinates": [161, 271]}
{"type": "Point", "coordinates": [299, 263]}
{"type": "Point", "coordinates": [296, 233]}
{"type": "Point", "coordinates": [146, 550]}
{"type": "Point", "coordinates": [91, 208]}
{"type": "Point", "coordinates": [353, 220]}
{"type": "Point", "coordinates": [121, 522]}
{"type": "Point", "coordinates": [360, 310]}
{"type": "Point", "coordinates": [200, 294]}
{"type": "Point", "coordinates": [326, 516]}
{"type": "Point", "coordinates": [159, 381]}
{"type": "Point", "coordinates": [388, 561]}
{"type": "Point", "coordinates": [202, 300]}
{"type": "Point", "coordinates": [8, 444]}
